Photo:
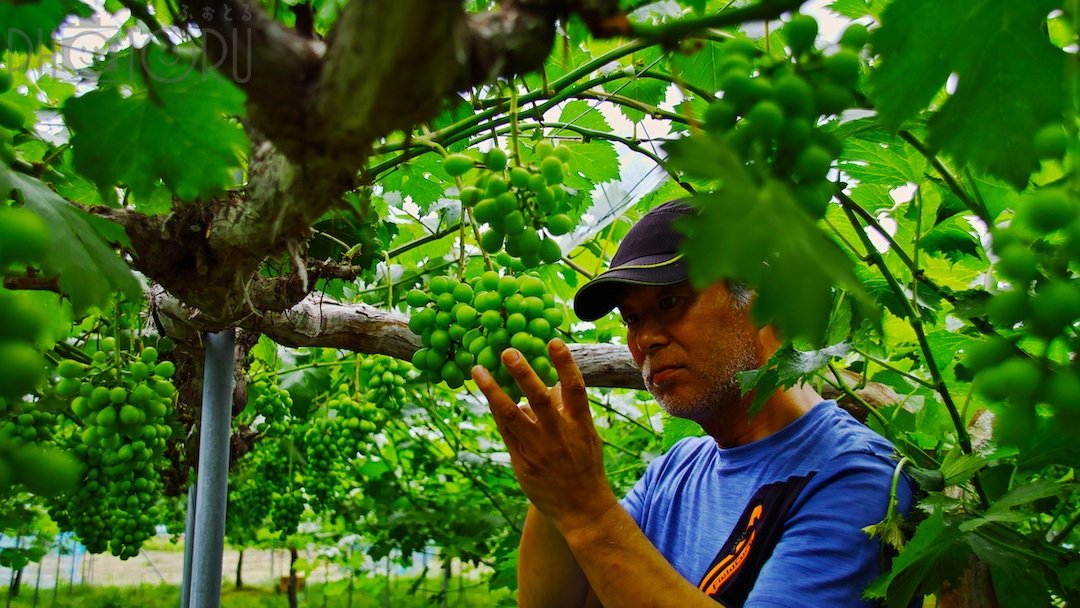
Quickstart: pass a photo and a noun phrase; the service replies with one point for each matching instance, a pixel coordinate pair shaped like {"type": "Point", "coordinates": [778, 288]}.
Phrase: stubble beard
{"type": "Point", "coordinates": [721, 391]}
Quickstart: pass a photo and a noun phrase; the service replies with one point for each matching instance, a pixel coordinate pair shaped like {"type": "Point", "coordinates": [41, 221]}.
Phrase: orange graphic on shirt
{"type": "Point", "coordinates": [728, 566]}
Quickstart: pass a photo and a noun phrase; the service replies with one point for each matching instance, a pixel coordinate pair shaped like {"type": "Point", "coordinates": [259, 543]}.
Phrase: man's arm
{"type": "Point", "coordinates": [548, 573]}
{"type": "Point", "coordinates": [558, 461]}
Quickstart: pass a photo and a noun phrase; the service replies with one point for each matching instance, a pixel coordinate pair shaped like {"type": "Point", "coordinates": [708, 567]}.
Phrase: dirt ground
{"type": "Point", "coordinates": [154, 567]}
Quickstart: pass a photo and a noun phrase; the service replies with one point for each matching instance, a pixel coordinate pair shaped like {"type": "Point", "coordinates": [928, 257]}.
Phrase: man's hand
{"type": "Point", "coordinates": [554, 449]}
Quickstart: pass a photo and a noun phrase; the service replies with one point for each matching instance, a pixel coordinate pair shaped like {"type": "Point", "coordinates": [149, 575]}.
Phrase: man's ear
{"type": "Point", "coordinates": [769, 340]}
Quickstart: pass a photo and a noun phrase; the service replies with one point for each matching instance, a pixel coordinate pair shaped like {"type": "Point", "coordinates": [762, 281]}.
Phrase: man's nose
{"type": "Point", "coordinates": [652, 335]}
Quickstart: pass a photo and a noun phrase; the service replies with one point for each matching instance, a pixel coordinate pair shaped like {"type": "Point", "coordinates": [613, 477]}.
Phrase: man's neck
{"type": "Point", "coordinates": [780, 410]}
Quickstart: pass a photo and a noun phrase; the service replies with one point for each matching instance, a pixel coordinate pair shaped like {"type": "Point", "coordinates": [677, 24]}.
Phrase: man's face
{"type": "Point", "coordinates": [689, 346]}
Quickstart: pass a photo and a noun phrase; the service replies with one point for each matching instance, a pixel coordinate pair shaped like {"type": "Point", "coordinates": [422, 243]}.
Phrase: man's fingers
{"type": "Point", "coordinates": [532, 387]}
{"type": "Point", "coordinates": [571, 383]}
{"type": "Point", "coordinates": [507, 413]}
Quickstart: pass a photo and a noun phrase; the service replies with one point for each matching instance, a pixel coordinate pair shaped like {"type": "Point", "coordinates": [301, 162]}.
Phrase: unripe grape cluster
{"type": "Point", "coordinates": [384, 378]}
{"type": "Point", "coordinates": [465, 324]}
{"type": "Point", "coordinates": [332, 440]}
{"type": "Point", "coordinates": [24, 241]}
{"type": "Point", "coordinates": [272, 403]}
{"type": "Point", "coordinates": [518, 204]}
{"type": "Point", "coordinates": [770, 110]}
{"type": "Point", "coordinates": [11, 121]}
{"type": "Point", "coordinates": [26, 454]}
{"type": "Point", "coordinates": [122, 401]}
{"type": "Point", "coordinates": [1037, 254]}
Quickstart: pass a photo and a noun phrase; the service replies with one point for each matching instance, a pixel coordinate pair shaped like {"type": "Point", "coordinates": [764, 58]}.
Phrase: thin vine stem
{"type": "Point", "coordinates": [928, 356]}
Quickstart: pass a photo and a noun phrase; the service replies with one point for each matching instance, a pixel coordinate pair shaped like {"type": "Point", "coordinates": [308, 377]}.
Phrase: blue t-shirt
{"type": "Point", "coordinates": [777, 522]}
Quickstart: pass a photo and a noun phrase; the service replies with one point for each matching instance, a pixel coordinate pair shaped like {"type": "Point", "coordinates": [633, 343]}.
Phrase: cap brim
{"type": "Point", "coordinates": [598, 296]}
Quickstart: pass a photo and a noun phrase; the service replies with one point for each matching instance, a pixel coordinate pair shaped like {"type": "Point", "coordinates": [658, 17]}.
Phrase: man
{"type": "Point", "coordinates": [766, 510]}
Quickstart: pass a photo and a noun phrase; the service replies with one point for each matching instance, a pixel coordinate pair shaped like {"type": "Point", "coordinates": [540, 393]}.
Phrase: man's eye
{"type": "Point", "coordinates": [629, 320]}
{"type": "Point", "coordinates": [669, 302]}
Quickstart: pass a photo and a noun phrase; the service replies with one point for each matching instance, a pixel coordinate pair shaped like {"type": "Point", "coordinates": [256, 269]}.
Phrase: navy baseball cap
{"type": "Point", "coordinates": [648, 255]}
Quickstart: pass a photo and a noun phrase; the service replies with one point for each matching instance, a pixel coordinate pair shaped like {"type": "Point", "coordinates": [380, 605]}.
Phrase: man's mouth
{"type": "Point", "coordinates": [663, 374]}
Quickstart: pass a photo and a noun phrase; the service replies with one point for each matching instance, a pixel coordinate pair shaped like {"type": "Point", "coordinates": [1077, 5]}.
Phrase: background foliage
{"type": "Point", "coordinates": [901, 191]}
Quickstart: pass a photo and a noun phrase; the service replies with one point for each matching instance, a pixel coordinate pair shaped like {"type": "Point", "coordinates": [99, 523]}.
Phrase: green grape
{"type": "Point", "coordinates": [855, 37]}
{"type": "Point", "coordinates": [832, 99]}
{"type": "Point", "coordinates": [495, 159]}
{"type": "Point", "coordinates": [519, 178]}
{"type": "Point", "coordinates": [470, 196]}
{"type": "Point", "coordinates": [552, 170]}
{"type": "Point", "coordinates": [987, 353]}
{"type": "Point", "coordinates": [843, 68]}
{"type": "Point", "coordinates": [1048, 210]}
{"type": "Point", "coordinates": [544, 149]}
{"type": "Point", "coordinates": [417, 298]}
{"type": "Point", "coordinates": [514, 223]}
{"type": "Point", "coordinates": [800, 33]}
{"type": "Point", "coordinates": [496, 185]}
{"type": "Point", "coordinates": [24, 236]}
{"type": "Point", "coordinates": [812, 164]}
{"type": "Point", "coordinates": [1008, 308]}
{"type": "Point", "coordinates": [491, 241]}
{"type": "Point", "coordinates": [550, 252]}
{"type": "Point", "coordinates": [1051, 142]}
{"type": "Point", "coordinates": [719, 116]}
{"type": "Point", "coordinates": [741, 47]}
{"type": "Point", "coordinates": [21, 369]}
{"type": "Point", "coordinates": [794, 95]}
{"type": "Point", "coordinates": [1054, 306]}
{"type": "Point", "coordinates": [457, 165]}
{"type": "Point", "coordinates": [765, 119]}
{"type": "Point", "coordinates": [1016, 378]}
{"type": "Point", "coordinates": [1018, 263]}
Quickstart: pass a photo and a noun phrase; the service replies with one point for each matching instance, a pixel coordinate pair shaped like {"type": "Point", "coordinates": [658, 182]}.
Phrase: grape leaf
{"type": "Point", "coordinates": [1009, 77]}
{"type": "Point", "coordinates": [700, 68]}
{"type": "Point", "coordinates": [855, 9]}
{"type": "Point", "coordinates": [676, 429]}
{"type": "Point", "coordinates": [28, 26]}
{"type": "Point", "coordinates": [89, 269]}
{"type": "Point", "coordinates": [584, 114]}
{"type": "Point", "coordinates": [934, 554]}
{"type": "Point", "coordinates": [764, 239]}
{"type": "Point", "coordinates": [173, 126]}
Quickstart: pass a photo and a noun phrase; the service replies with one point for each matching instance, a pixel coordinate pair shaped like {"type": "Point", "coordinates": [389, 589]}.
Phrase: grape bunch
{"type": "Point", "coordinates": [1035, 252]}
{"type": "Point", "coordinates": [88, 510]}
{"type": "Point", "coordinates": [24, 241]}
{"type": "Point", "coordinates": [122, 401]}
{"type": "Point", "coordinates": [27, 456]}
{"type": "Point", "coordinates": [271, 402]}
{"type": "Point", "coordinates": [770, 110]}
{"type": "Point", "coordinates": [332, 440]}
{"type": "Point", "coordinates": [11, 121]}
{"type": "Point", "coordinates": [518, 204]}
{"type": "Point", "coordinates": [385, 379]}
{"type": "Point", "coordinates": [465, 324]}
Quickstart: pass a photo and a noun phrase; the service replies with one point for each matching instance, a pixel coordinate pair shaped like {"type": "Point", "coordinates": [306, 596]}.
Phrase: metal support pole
{"type": "Point", "coordinates": [213, 477]}
{"type": "Point", "coordinates": [189, 546]}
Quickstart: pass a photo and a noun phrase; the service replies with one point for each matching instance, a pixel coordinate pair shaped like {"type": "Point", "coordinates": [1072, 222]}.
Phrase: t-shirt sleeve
{"type": "Point", "coordinates": [823, 557]}
{"type": "Point", "coordinates": [637, 500]}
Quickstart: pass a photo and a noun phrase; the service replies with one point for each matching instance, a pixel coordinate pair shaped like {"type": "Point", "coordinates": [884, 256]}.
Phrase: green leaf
{"type": "Point", "coordinates": [934, 554]}
{"type": "Point", "coordinates": [88, 267]}
{"type": "Point", "coordinates": [583, 114]}
{"type": "Point", "coordinates": [676, 429]}
{"type": "Point", "coordinates": [952, 241]}
{"type": "Point", "coordinates": [700, 67]}
{"type": "Point", "coordinates": [649, 91]}
{"type": "Point", "coordinates": [1009, 77]}
{"type": "Point", "coordinates": [174, 126]}
{"type": "Point", "coordinates": [882, 161]}
{"type": "Point", "coordinates": [591, 164]}
{"type": "Point", "coordinates": [764, 239]}
{"type": "Point", "coordinates": [28, 26]}
{"type": "Point", "coordinates": [855, 9]}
